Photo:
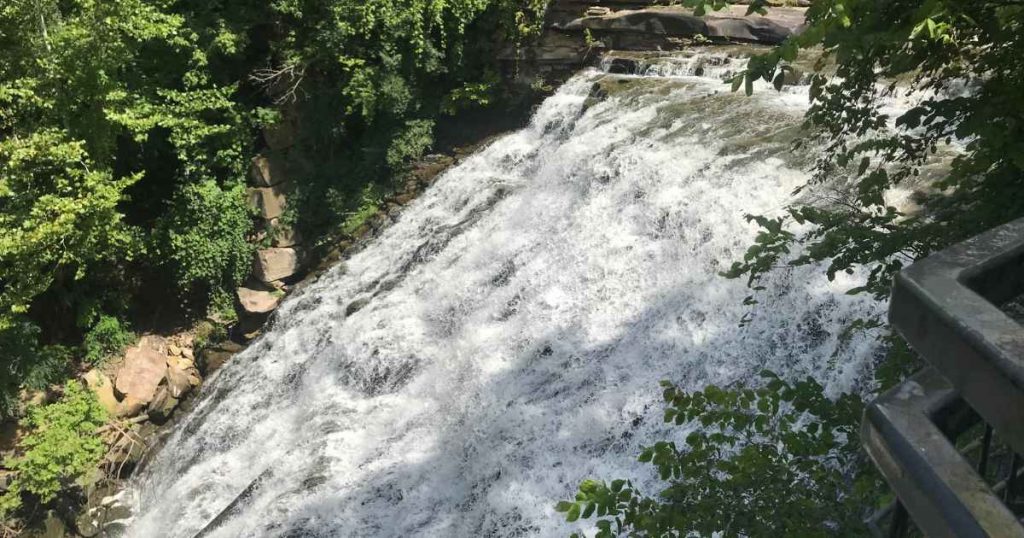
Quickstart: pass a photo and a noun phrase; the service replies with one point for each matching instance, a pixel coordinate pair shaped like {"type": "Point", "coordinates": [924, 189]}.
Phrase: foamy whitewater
{"type": "Point", "coordinates": [515, 324]}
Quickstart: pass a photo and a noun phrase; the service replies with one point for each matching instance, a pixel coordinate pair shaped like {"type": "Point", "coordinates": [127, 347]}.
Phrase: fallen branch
{"type": "Point", "coordinates": [132, 421]}
{"type": "Point", "coordinates": [284, 80]}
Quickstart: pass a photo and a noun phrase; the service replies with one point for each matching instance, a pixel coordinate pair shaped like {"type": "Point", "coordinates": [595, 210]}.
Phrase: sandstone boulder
{"type": "Point", "coordinates": [267, 170]}
{"type": "Point", "coordinates": [103, 388]}
{"type": "Point", "coordinates": [258, 302]}
{"type": "Point", "coordinates": [163, 405]}
{"type": "Point", "coordinates": [272, 264]}
{"type": "Point", "coordinates": [177, 381]}
{"type": "Point", "coordinates": [142, 370]}
{"type": "Point", "coordinates": [129, 407]}
{"type": "Point", "coordinates": [270, 202]}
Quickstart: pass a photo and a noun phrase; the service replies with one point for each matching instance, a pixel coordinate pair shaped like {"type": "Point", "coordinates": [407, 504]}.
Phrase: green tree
{"type": "Point", "coordinates": [60, 449]}
{"type": "Point", "coordinates": [959, 61]}
{"type": "Point", "coordinates": [106, 108]}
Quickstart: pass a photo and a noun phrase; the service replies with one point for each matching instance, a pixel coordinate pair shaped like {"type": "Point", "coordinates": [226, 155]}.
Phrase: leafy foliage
{"type": "Point", "coordinates": [410, 143]}
{"type": "Point", "coordinates": [105, 109]}
{"type": "Point", "coordinates": [108, 337]}
{"type": "Point", "coordinates": [60, 449]}
{"type": "Point", "coordinates": [960, 62]}
{"type": "Point", "coordinates": [204, 237]}
{"type": "Point", "coordinates": [56, 212]}
{"type": "Point", "coordinates": [779, 460]}
{"type": "Point", "coordinates": [368, 79]}
{"type": "Point", "coordinates": [26, 362]}
{"type": "Point", "coordinates": [126, 129]}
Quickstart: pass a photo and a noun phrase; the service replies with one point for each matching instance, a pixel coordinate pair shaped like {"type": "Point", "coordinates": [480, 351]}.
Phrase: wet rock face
{"type": "Point", "coordinates": [623, 66]}
{"type": "Point", "coordinates": [576, 35]}
{"type": "Point", "coordinates": [105, 517]}
{"type": "Point", "coordinates": [728, 25]}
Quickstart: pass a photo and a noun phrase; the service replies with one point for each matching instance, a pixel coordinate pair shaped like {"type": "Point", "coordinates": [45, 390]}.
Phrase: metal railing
{"type": "Point", "coordinates": [948, 440]}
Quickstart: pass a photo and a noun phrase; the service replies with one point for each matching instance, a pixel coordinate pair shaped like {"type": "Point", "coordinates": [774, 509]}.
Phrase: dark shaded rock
{"type": "Point", "coordinates": [213, 358]}
{"type": "Point", "coordinates": [356, 306]}
{"type": "Point", "coordinates": [282, 134]}
{"type": "Point", "coordinates": [105, 517]}
{"type": "Point", "coordinates": [6, 479]}
{"type": "Point", "coordinates": [53, 527]}
{"type": "Point", "coordinates": [623, 66]}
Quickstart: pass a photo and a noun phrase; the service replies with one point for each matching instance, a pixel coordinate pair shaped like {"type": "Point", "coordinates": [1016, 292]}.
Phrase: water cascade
{"type": "Point", "coordinates": [505, 338]}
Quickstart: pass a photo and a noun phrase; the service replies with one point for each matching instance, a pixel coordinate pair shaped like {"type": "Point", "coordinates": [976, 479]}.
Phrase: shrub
{"type": "Point", "coordinates": [410, 143]}
{"type": "Point", "coordinates": [204, 237]}
{"type": "Point", "coordinates": [26, 363]}
{"type": "Point", "coordinates": [222, 307]}
{"type": "Point", "coordinates": [782, 460]}
{"type": "Point", "coordinates": [108, 337]}
{"type": "Point", "coordinates": [208, 333]}
{"type": "Point", "coordinates": [61, 448]}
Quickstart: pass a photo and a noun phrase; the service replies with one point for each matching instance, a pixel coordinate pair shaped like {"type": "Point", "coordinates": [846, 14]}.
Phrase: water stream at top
{"type": "Point", "coordinates": [505, 338]}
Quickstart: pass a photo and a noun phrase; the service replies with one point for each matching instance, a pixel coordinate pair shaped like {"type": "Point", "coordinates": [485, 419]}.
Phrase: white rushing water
{"type": "Point", "coordinates": [515, 324]}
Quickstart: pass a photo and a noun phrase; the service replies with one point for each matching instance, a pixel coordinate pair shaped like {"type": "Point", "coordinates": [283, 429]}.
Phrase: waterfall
{"type": "Point", "coordinates": [505, 338]}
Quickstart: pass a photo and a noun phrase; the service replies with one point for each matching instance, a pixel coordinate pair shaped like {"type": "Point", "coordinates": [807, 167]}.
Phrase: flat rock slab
{"type": "Point", "coordinates": [272, 264]}
{"type": "Point", "coordinates": [143, 369]}
{"type": "Point", "coordinates": [731, 23]}
{"type": "Point", "coordinates": [258, 301]}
